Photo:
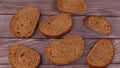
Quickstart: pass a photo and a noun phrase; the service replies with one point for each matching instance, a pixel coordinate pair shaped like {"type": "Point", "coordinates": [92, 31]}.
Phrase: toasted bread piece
{"type": "Point", "coordinates": [23, 57]}
{"type": "Point", "coordinates": [65, 51]}
{"type": "Point", "coordinates": [24, 22]}
{"type": "Point", "coordinates": [56, 26]}
{"type": "Point", "coordinates": [101, 55]}
{"type": "Point", "coordinates": [98, 24]}
{"type": "Point", "coordinates": [72, 6]}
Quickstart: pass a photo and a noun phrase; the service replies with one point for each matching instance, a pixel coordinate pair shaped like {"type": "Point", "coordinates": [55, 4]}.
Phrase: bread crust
{"type": "Point", "coordinates": [60, 61]}
{"type": "Point", "coordinates": [105, 65]}
{"type": "Point", "coordinates": [18, 47]}
{"type": "Point", "coordinates": [87, 24]}
{"type": "Point", "coordinates": [16, 25]}
{"type": "Point", "coordinates": [49, 35]}
{"type": "Point", "coordinates": [75, 6]}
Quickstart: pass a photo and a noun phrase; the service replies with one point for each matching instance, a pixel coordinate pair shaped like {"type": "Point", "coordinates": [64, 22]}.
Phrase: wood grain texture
{"type": "Point", "coordinates": [48, 7]}
{"type": "Point", "coordinates": [78, 28]}
{"type": "Point", "coordinates": [41, 44]}
{"type": "Point", "coordinates": [107, 8]}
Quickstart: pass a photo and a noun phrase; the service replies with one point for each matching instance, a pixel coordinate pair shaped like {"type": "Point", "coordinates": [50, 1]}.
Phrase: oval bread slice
{"type": "Point", "coordinates": [98, 24]}
{"type": "Point", "coordinates": [65, 51]}
{"type": "Point", "coordinates": [72, 6]}
{"type": "Point", "coordinates": [102, 54]}
{"type": "Point", "coordinates": [23, 57]}
{"type": "Point", "coordinates": [56, 26]}
{"type": "Point", "coordinates": [24, 22]}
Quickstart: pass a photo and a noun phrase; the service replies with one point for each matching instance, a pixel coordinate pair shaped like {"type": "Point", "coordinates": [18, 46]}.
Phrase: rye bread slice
{"type": "Point", "coordinates": [98, 24]}
{"type": "Point", "coordinates": [24, 22]}
{"type": "Point", "coordinates": [102, 54]}
{"type": "Point", "coordinates": [56, 26]}
{"type": "Point", "coordinates": [65, 51]}
{"type": "Point", "coordinates": [23, 57]}
{"type": "Point", "coordinates": [72, 6]}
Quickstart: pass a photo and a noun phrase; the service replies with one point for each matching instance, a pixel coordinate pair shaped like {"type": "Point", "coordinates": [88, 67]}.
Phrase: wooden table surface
{"type": "Point", "coordinates": [109, 9]}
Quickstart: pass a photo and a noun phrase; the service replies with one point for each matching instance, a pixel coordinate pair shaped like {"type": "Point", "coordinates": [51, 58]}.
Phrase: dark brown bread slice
{"type": "Point", "coordinates": [56, 26]}
{"type": "Point", "coordinates": [98, 24]}
{"type": "Point", "coordinates": [24, 22]}
{"type": "Point", "coordinates": [72, 6]}
{"type": "Point", "coordinates": [101, 55]}
{"type": "Point", "coordinates": [65, 51]}
{"type": "Point", "coordinates": [23, 57]}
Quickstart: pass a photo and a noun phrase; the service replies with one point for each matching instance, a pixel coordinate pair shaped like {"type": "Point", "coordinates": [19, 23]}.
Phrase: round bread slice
{"type": "Point", "coordinates": [102, 54]}
{"type": "Point", "coordinates": [24, 22]}
{"type": "Point", "coordinates": [23, 57]}
{"type": "Point", "coordinates": [72, 6]}
{"type": "Point", "coordinates": [98, 24]}
{"type": "Point", "coordinates": [56, 26]}
{"type": "Point", "coordinates": [65, 51]}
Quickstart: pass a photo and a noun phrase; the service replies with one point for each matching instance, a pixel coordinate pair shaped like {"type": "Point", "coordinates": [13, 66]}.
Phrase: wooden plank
{"type": "Point", "coordinates": [48, 7]}
{"type": "Point", "coordinates": [67, 66]}
{"type": "Point", "coordinates": [41, 44]}
{"type": "Point", "coordinates": [78, 28]}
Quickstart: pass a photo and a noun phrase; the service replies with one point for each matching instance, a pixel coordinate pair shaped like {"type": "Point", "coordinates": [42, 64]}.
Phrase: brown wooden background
{"type": "Point", "coordinates": [109, 9]}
